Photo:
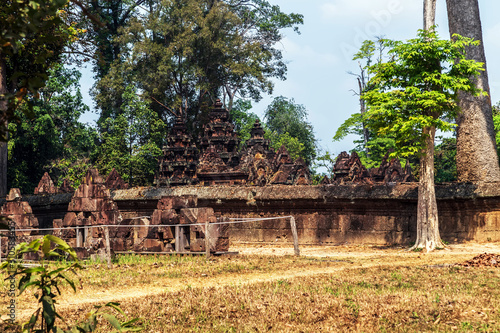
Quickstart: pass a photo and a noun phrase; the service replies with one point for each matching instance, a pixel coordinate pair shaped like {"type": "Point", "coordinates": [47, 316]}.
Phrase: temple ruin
{"type": "Point", "coordinates": [212, 181]}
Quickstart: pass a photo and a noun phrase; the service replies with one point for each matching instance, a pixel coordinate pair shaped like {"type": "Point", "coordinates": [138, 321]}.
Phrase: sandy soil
{"type": "Point", "coordinates": [343, 257]}
{"type": "Point", "coordinates": [357, 251]}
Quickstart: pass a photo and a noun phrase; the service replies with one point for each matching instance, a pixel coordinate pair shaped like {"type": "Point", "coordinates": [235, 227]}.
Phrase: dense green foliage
{"type": "Point", "coordinates": [287, 125]}
{"type": "Point", "coordinates": [53, 139]}
{"type": "Point", "coordinates": [184, 54]}
{"type": "Point", "coordinates": [32, 38]}
{"type": "Point", "coordinates": [132, 141]}
{"type": "Point", "coordinates": [243, 119]}
{"type": "Point", "coordinates": [445, 163]}
{"type": "Point", "coordinates": [416, 89]}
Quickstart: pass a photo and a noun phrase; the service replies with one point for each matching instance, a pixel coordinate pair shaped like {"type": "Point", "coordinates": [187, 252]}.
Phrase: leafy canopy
{"type": "Point", "coordinates": [286, 124]}
{"type": "Point", "coordinates": [417, 88]}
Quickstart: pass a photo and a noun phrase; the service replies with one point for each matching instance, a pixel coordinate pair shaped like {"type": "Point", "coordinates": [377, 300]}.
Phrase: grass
{"type": "Point", "coordinates": [392, 295]}
{"type": "Point", "coordinates": [408, 300]}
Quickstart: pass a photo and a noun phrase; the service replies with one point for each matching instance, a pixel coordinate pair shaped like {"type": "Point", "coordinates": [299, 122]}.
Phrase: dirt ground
{"type": "Point", "coordinates": [347, 256]}
{"type": "Point", "coordinates": [357, 251]}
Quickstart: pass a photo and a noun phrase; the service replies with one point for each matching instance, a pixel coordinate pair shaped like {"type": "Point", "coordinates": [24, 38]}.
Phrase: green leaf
{"type": "Point", "coordinates": [33, 270]}
{"type": "Point", "coordinates": [70, 282]}
{"type": "Point", "coordinates": [115, 306]}
{"type": "Point", "coordinates": [49, 311]}
{"type": "Point", "coordinates": [113, 321]}
{"type": "Point", "coordinates": [46, 246]}
{"type": "Point", "coordinates": [26, 285]}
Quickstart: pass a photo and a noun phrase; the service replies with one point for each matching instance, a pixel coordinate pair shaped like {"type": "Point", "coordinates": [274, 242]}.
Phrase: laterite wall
{"type": "Point", "coordinates": [325, 215]}
{"type": "Point", "coordinates": [380, 214]}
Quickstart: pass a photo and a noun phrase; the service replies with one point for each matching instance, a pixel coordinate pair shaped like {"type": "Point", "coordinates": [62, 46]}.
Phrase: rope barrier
{"type": "Point", "coordinates": [206, 224]}
{"type": "Point", "coordinates": [233, 221]}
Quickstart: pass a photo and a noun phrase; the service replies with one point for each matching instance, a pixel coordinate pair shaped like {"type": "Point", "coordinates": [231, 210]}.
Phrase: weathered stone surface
{"type": "Point", "coordinates": [349, 169]}
{"type": "Point", "coordinates": [180, 158]}
{"type": "Point", "coordinates": [46, 185]}
{"type": "Point", "coordinates": [287, 171]}
{"type": "Point", "coordinates": [390, 170]}
{"type": "Point", "coordinates": [66, 187]}
{"type": "Point", "coordinates": [177, 202]}
{"type": "Point", "coordinates": [14, 195]}
{"type": "Point", "coordinates": [20, 212]}
{"type": "Point", "coordinates": [197, 215]}
{"type": "Point", "coordinates": [114, 181]}
{"type": "Point", "coordinates": [92, 205]}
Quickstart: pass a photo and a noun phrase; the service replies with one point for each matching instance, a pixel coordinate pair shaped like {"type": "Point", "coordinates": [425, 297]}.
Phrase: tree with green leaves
{"type": "Point", "coordinates": [32, 38]}
{"type": "Point", "coordinates": [131, 142]}
{"type": "Point", "coordinates": [184, 54]}
{"type": "Point", "coordinates": [371, 149]}
{"type": "Point", "coordinates": [243, 119]}
{"type": "Point", "coordinates": [286, 124]}
{"type": "Point", "coordinates": [414, 94]}
{"type": "Point", "coordinates": [54, 133]}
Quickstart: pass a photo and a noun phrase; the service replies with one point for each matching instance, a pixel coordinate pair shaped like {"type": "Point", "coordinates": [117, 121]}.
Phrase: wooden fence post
{"type": "Point", "coordinates": [207, 241]}
{"type": "Point", "coordinates": [108, 246]}
{"type": "Point", "coordinates": [295, 236]}
{"type": "Point", "coordinates": [177, 239]}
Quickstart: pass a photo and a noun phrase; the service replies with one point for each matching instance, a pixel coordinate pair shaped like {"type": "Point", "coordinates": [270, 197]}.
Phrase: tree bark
{"type": "Point", "coordinates": [477, 159]}
{"type": "Point", "coordinates": [4, 129]}
{"type": "Point", "coordinates": [429, 13]}
{"type": "Point", "coordinates": [427, 215]}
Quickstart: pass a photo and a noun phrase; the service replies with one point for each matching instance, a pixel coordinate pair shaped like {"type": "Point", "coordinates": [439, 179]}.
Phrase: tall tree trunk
{"type": "Point", "coordinates": [477, 159]}
{"type": "Point", "coordinates": [427, 215]}
{"type": "Point", "coordinates": [362, 109]}
{"type": "Point", "coordinates": [3, 125]}
{"type": "Point", "coordinates": [429, 13]}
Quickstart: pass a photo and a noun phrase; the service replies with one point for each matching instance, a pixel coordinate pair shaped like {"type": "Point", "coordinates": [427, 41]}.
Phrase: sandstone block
{"type": "Point", "coordinates": [178, 202]}
{"type": "Point", "coordinates": [153, 245]}
{"type": "Point", "coordinates": [14, 194]}
{"type": "Point", "coordinates": [165, 233]}
{"type": "Point", "coordinates": [156, 217]}
{"type": "Point", "coordinates": [222, 245]}
{"type": "Point", "coordinates": [196, 215]}
{"type": "Point", "coordinates": [69, 219]}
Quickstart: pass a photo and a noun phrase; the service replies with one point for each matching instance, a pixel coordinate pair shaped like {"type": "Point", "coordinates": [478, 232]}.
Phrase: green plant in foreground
{"type": "Point", "coordinates": [47, 282]}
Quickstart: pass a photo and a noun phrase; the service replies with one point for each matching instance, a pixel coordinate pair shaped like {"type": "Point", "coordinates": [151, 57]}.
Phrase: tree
{"type": "Point", "coordinates": [184, 54]}
{"type": "Point", "coordinates": [287, 124]}
{"type": "Point", "coordinates": [102, 20]}
{"type": "Point", "coordinates": [365, 58]}
{"type": "Point", "coordinates": [52, 134]}
{"type": "Point", "coordinates": [476, 151]}
{"type": "Point", "coordinates": [371, 149]}
{"type": "Point", "coordinates": [414, 94]}
{"type": "Point", "coordinates": [429, 14]}
{"type": "Point", "coordinates": [32, 37]}
{"type": "Point", "coordinates": [131, 142]}
{"type": "Point", "coordinates": [243, 119]}
{"type": "Point", "coordinates": [445, 160]}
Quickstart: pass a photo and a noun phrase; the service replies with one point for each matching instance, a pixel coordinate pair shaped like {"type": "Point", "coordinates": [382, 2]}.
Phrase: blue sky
{"type": "Point", "coordinates": [319, 59]}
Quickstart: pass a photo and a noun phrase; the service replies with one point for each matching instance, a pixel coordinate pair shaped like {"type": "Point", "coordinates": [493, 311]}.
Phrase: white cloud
{"type": "Point", "coordinates": [299, 53]}
{"type": "Point", "coordinates": [349, 9]}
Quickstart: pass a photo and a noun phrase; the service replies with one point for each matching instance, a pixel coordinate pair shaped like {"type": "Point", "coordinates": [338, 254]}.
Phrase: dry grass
{"type": "Point", "coordinates": [401, 299]}
{"type": "Point", "coordinates": [397, 292]}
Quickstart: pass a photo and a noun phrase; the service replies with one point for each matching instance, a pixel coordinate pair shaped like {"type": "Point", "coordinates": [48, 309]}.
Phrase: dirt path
{"type": "Point", "coordinates": [341, 258]}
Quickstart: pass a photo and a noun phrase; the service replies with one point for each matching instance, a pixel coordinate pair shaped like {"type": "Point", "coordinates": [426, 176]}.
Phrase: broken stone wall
{"type": "Point", "coordinates": [336, 214]}
{"type": "Point", "coordinates": [330, 214]}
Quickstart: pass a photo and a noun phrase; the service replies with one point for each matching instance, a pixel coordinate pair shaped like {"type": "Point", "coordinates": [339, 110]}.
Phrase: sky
{"type": "Point", "coordinates": [320, 58]}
